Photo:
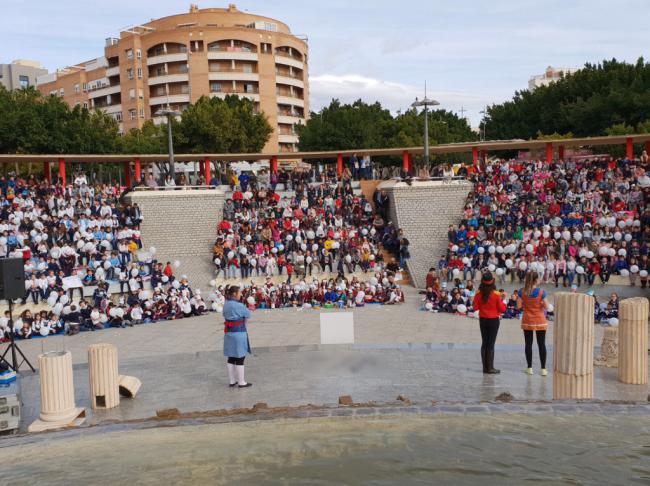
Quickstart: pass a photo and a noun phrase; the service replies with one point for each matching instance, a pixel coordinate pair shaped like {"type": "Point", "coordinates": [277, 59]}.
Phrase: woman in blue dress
{"type": "Point", "coordinates": [235, 339]}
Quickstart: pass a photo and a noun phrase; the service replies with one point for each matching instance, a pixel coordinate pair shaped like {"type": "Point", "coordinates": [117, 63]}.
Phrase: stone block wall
{"type": "Point", "coordinates": [181, 225]}
{"type": "Point", "coordinates": [424, 210]}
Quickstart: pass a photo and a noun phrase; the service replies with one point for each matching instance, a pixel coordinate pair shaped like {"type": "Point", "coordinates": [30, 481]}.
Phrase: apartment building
{"type": "Point", "coordinates": [20, 73]}
{"type": "Point", "coordinates": [173, 61]}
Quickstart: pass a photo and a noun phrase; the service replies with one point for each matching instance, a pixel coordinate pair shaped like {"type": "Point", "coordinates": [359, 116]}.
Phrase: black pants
{"type": "Point", "coordinates": [236, 361]}
{"type": "Point", "coordinates": [489, 330]}
{"type": "Point", "coordinates": [541, 345]}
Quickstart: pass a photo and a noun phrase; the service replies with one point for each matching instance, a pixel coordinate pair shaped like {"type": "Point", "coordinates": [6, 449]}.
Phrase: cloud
{"type": "Point", "coordinates": [392, 95]}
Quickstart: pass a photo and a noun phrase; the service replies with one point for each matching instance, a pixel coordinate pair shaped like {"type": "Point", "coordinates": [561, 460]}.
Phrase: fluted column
{"type": "Point", "coordinates": [129, 386]}
{"type": "Point", "coordinates": [57, 387]}
{"type": "Point", "coordinates": [573, 346]}
{"type": "Point", "coordinates": [103, 375]}
{"type": "Point", "coordinates": [633, 341]}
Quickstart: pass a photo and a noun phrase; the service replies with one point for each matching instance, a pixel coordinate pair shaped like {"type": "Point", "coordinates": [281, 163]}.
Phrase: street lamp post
{"type": "Point", "coordinates": [169, 113]}
{"type": "Point", "coordinates": [426, 102]}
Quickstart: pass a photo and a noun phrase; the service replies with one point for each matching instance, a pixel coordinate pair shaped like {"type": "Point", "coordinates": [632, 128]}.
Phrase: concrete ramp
{"type": "Point", "coordinates": [182, 225]}
{"type": "Point", "coordinates": [424, 210]}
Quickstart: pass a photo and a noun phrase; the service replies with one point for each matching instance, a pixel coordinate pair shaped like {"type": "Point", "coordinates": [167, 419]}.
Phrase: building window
{"type": "Point", "coordinates": [266, 48]}
{"type": "Point", "coordinates": [85, 105]}
{"type": "Point", "coordinates": [84, 87]}
{"type": "Point", "coordinates": [141, 112]}
{"type": "Point", "coordinates": [132, 114]}
{"type": "Point", "coordinates": [129, 54]}
{"type": "Point", "coordinates": [183, 68]}
{"type": "Point", "coordinates": [160, 90]}
{"type": "Point", "coordinates": [248, 68]}
{"type": "Point", "coordinates": [53, 92]}
{"type": "Point", "coordinates": [139, 73]}
{"type": "Point", "coordinates": [249, 88]}
{"type": "Point", "coordinates": [76, 88]}
{"type": "Point", "coordinates": [23, 81]}
{"type": "Point", "coordinates": [118, 116]}
{"type": "Point", "coordinates": [215, 87]}
{"type": "Point", "coordinates": [138, 53]}
{"type": "Point", "coordinates": [61, 92]}
{"type": "Point", "coordinates": [129, 73]}
{"type": "Point", "coordinates": [132, 93]}
{"type": "Point", "coordinates": [185, 89]}
{"type": "Point", "coordinates": [140, 93]}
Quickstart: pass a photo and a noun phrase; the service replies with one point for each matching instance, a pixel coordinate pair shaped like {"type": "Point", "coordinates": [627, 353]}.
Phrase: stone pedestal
{"type": "Point", "coordinates": [58, 407]}
{"type": "Point", "coordinates": [608, 349]}
{"type": "Point", "coordinates": [104, 377]}
{"type": "Point", "coordinates": [633, 341]}
{"type": "Point", "coordinates": [573, 346]}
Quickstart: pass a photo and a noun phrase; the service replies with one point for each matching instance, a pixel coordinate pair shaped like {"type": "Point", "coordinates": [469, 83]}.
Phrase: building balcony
{"type": "Point", "coordinates": [289, 61]}
{"type": "Point", "coordinates": [105, 91]}
{"type": "Point", "coordinates": [171, 99]}
{"type": "Point", "coordinates": [290, 120]}
{"type": "Point", "coordinates": [250, 96]}
{"type": "Point", "coordinates": [289, 100]}
{"type": "Point", "coordinates": [168, 78]}
{"type": "Point", "coordinates": [233, 76]}
{"type": "Point", "coordinates": [111, 109]}
{"type": "Point", "coordinates": [112, 71]}
{"type": "Point", "coordinates": [230, 55]}
{"type": "Point", "coordinates": [298, 83]}
{"type": "Point", "coordinates": [181, 56]}
{"type": "Point", "coordinates": [287, 138]}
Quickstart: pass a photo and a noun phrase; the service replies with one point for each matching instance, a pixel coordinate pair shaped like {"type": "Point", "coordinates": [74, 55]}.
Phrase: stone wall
{"type": "Point", "coordinates": [424, 210]}
{"type": "Point", "coordinates": [181, 225]}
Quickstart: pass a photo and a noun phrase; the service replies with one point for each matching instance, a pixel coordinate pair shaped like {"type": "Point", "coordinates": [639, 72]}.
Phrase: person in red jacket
{"type": "Point", "coordinates": [490, 305]}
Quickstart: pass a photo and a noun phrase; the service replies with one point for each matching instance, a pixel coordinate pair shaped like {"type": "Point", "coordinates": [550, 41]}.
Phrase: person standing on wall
{"type": "Point", "coordinates": [490, 305]}
{"type": "Point", "coordinates": [533, 301]}
{"type": "Point", "coordinates": [235, 341]}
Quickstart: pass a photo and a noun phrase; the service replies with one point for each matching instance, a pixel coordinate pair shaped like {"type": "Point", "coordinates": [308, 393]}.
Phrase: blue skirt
{"type": "Point", "coordinates": [236, 345]}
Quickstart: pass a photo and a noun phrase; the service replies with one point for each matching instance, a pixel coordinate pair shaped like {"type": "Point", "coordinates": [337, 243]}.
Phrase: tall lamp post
{"type": "Point", "coordinates": [169, 113]}
{"type": "Point", "coordinates": [426, 102]}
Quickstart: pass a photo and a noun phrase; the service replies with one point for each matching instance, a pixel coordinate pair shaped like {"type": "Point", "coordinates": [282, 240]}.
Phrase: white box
{"type": "Point", "coordinates": [336, 328]}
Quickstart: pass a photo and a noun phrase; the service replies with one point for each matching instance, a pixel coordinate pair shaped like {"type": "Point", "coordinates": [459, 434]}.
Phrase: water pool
{"type": "Point", "coordinates": [404, 449]}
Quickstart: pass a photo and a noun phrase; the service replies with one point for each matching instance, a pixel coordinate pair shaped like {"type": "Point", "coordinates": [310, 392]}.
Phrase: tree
{"type": "Point", "coordinates": [215, 125]}
{"type": "Point", "coordinates": [585, 103]}
{"type": "Point", "coordinates": [363, 126]}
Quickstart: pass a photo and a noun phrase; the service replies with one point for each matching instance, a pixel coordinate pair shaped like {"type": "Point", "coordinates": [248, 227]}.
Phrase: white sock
{"type": "Point", "coordinates": [231, 373]}
{"type": "Point", "coordinates": [240, 375]}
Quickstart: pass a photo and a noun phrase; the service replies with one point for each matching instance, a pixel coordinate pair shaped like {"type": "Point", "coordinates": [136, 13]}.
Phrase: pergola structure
{"type": "Point", "coordinates": [478, 150]}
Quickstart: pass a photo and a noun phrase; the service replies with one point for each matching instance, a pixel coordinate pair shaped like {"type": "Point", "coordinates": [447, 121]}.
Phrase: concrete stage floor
{"type": "Point", "coordinates": [398, 350]}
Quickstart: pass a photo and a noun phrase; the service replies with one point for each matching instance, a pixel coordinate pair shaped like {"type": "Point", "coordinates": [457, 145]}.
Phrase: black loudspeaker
{"type": "Point", "coordinates": [12, 278]}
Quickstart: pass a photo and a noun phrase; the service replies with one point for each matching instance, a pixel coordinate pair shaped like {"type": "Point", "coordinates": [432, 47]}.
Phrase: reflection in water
{"type": "Point", "coordinates": [481, 449]}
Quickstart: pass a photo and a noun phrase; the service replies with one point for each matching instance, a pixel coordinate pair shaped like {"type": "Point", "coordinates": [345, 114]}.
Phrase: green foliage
{"type": "Point", "coordinates": [32, 123]}
{"type": "Point", "coordinates": [586, 103]}
{"type": "Point", "coordinates": [229, 125]}
{"type": "Point", "coordinates": [554, 136]}
{"type": "Point", "coordinates": [362, 126]}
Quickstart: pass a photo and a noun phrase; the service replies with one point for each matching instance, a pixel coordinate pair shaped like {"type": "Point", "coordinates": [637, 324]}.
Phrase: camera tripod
{"type": "Point", "coordinates": [15, 350]}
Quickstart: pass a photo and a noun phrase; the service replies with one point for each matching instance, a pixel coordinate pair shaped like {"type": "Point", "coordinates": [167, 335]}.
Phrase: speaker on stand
{"type": "Point", "coordinates": [12, 286]}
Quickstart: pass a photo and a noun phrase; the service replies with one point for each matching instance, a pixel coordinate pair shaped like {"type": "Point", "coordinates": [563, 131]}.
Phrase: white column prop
{"type": "Point", "coordinates": [633, 341]}
{"type": "Point", "coordinates": [103, 375]}
{"type": "Point", "coordinates": [58, 407]}
{"type": "Point", "coordinates": [573, 346]}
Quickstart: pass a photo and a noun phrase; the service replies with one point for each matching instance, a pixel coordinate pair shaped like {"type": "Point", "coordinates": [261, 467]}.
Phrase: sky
{"type": "Point", "coordinates": [471, 53]}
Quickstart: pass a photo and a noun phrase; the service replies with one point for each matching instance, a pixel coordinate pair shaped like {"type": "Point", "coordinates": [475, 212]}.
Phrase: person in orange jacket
{"type": "Point", "coordinates": [490, 306]}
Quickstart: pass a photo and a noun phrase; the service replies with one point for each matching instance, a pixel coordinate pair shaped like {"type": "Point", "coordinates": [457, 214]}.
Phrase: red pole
{"type": "Point", "coordinates": [560, 152]}
{"type": "Point", "coordinates": [549, 152]}
{"type": "Point", "coordinates": [62, 170]}
{"type": "Point", "coordinates": [206, 171]}
{"type": "Point", "coordinates": [410, 159]}
{"type": "Point", "coordinates": [475, 155]}
{"type": "Point", "coordinates": [274, 164]}
{"type": "Point", "coordinates": [138, 170]}
{"type": "Point", "coordinates": [406, 161]}
{"type": "Point", "coordinates": [647, 147]}
{"type": "Point", "coordinates": [483, 155]}
{"type": "Point", "coordinates": [47, 172]}
{"type": "Point", "coordinates": [629, 149]}
{"type": "Point", "coordinates": [339, 164]}
{"type": "Point", "coordinates": [127, 174]}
